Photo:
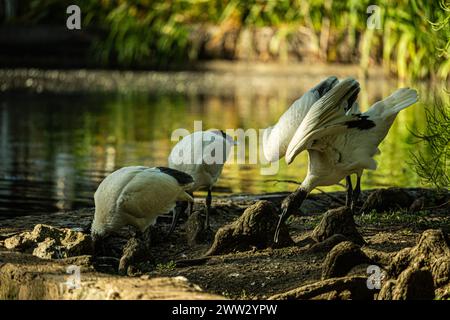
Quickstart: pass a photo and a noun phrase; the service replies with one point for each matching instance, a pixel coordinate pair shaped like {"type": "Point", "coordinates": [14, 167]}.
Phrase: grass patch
{"type": "Point", "coordinates": [418, 220]}
{"type": "Point", "coordinates": [169, 266]}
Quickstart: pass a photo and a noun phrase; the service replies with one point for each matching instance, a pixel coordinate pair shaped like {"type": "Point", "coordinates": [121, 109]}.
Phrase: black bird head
{"type": "Point", "coordinates": [289, 205]}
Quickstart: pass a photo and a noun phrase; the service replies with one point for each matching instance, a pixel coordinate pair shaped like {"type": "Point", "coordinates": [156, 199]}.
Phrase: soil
{"type": "Point", "coordinates": [258, 273]}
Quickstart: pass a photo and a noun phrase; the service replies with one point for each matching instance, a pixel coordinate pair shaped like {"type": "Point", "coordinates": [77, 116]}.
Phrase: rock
{"type": "Point", "coordinates": [28, 278]}
{"type": "Point", "coordinates": [337, 221]}
{"type": "Point", "coordinates": [28, 240]}
{"type": "Point", "coordinates": [48, 249]}
{"type": "Point", "coordinates": [195, 229]}
{"type": "Point", "coordinates": [328, 244]}
{"type": "Point", "coordinates": [342, 258]}
{"type": "Point", "coordinates": [387, 199]}
{"type": "Point", "coordinates": [48, 242]}
{"type": "Point", "coordinates": [255, 228]}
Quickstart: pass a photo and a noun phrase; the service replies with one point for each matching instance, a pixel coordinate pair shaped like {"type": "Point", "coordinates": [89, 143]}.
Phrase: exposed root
{"type": "Point", "coordinates": [255, 228]}
{"type": "Point", "coordinates": [415, 273]}
{"type": "Point", "coordinates": [356, 287]}
{"type": "Point", "coordinates": [337, 221]}
{"type": "Point", "coordinates": [342, 258]}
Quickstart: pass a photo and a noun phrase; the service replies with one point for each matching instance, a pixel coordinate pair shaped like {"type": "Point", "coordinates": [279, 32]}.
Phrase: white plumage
{"type": "Point", "coordinates": [136, 196]}
{"type": "Point", "coordinates": [276, 138]}
{"type": "Point", "coordinates": [340, 140]}
{"type": "Point", "coordinates": [339, 143]}
{"type": "Point", "coordinates": [202, 155]}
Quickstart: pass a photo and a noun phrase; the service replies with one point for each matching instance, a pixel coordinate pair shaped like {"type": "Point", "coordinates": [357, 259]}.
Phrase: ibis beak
{"type": "Point", "coordinates": [294, 201]}
{"type": "Point", "coordinates": [282, 219]}
{"type": "Point", "coordinates": [175, 217]}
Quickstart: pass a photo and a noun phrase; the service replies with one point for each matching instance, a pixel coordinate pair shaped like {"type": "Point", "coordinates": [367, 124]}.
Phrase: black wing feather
{"type": "Point", "coordinates": [181, 177]}
{"type": "Point", "coordinates": [363, 123]}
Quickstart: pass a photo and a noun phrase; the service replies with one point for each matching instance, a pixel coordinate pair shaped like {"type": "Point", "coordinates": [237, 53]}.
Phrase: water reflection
{"type": "Point", "coordinates": [55, 149]}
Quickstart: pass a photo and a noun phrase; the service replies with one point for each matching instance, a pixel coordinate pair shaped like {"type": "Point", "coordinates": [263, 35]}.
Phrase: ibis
{"type": "Point", "coordinates": [136, 196]}
{"type": "Point", "coordinates": [202, 155]}
{"type": "Point", "coordinates": [340, 140]}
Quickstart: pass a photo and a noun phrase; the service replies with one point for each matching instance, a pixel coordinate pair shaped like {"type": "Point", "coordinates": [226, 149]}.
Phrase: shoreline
{"type": "Point", "coordinates": [34, 278]}
{"type": "Point", "coordinates": [214, 77]}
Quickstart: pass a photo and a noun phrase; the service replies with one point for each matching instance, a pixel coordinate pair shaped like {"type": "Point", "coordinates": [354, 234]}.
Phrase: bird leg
{"type": "Point", "coordinates": [356, 192]}
{"type": "Point", "coordinates": [349, 196]}
{"type": "Point", "coordinates": [208, 208]}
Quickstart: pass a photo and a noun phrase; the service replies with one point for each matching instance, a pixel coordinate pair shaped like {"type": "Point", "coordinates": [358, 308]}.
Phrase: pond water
{"type": "Point", "coordinates": [56, 148]}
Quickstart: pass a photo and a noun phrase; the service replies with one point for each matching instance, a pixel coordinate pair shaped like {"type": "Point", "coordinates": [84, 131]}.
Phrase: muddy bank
{"type": "Point", "coordinates": [321, 257]}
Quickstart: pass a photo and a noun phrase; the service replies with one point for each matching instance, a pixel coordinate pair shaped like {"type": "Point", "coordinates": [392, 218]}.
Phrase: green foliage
{"type": "Point", "coordinates": [414, 40]}
{"type": "Point", "coordinates": [433, 164]}
{"type": "Point", "coordinates": [138, 35]}
{"type": "Point", "coordinates": [169, 266]}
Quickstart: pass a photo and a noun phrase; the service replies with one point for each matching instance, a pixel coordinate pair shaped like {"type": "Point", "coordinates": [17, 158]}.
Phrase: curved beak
{"type": "Point", "coordinates": [175, 217]}
{"type": "Point", "coordinates": [295, 200]}
{"type": "Point", "coordinates": [282, 219]}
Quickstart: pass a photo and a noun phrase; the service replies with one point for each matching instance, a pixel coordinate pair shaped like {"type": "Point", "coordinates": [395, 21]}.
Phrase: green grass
{"type": "Point", "coordinates": [311, 222]}
{"type": "Point", "coordinates": [243, 295]}
{"type": "Point", "coordinates": [164, 267]}
{"type": "Point", "coordinates": [417, 220]}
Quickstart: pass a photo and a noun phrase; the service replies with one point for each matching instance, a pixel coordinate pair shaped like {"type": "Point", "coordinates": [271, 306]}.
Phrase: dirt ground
{"type": "Point", "coordinates": [258, 273]}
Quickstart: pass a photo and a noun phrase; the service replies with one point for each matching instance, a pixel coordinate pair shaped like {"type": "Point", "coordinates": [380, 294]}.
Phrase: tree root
{"type": "Point", "coordinates": [342, 258]}
{"type": "Point", "coordinates": [255, 228]}
{"type": "Point", "coordinates": [337, 221]}
{"type": "Point", "coordinates": [354, 285]}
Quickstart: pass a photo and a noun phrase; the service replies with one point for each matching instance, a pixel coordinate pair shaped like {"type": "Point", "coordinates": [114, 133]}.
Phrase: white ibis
{"type": "Point", "coordinates": [277, 138]}
{"type": "Point", "coordinates": [202, 155]}
{"type": "Point", "coordinates": [137, 196]}
{"type": "Point", "coordinates": [340, 140]}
